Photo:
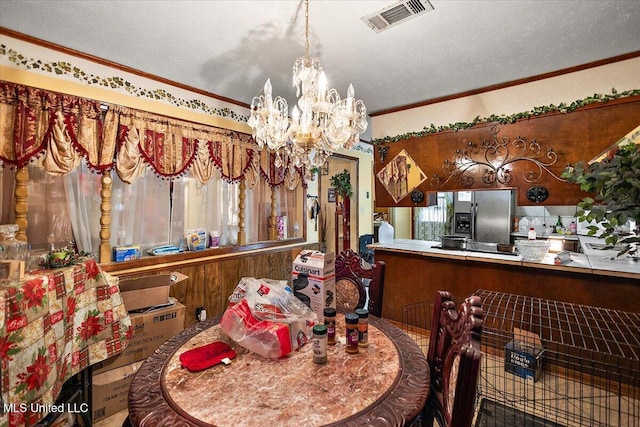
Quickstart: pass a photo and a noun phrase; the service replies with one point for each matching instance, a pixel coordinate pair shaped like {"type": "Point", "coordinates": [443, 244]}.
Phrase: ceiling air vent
{"type": "Point", "coordinates": [396, 14]}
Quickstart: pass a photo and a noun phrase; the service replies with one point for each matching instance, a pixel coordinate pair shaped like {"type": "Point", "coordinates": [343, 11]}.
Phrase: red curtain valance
{"type": "Point", "coordinates": [233, 154]}
{"type": "Point", "coordinates": [68, 129]}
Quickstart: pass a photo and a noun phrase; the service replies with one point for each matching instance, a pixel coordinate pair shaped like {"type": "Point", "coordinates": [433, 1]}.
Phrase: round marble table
{"type": "Point", "coordinates": [385, 384]}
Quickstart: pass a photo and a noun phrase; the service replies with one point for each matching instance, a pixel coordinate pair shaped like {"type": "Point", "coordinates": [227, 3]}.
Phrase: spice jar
{"type": "Point", "coordinates": [351, 320]}
{"type": "Point", "coordinates": [330, 323]}
{"type": "Point", "coordinates": [320, 344]}
{"type": "Point", "coordinates": [363, 327]}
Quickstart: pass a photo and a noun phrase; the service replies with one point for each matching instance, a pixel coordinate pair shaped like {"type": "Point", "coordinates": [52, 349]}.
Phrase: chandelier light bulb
{"type": "Point", "coordinates": [295, 115]}
{"type": "Point", "coordinates": [322, 86]}
{"type": "Point", "coordinates": [267, 88]}
{"type": "Point", "coordinates": [350, 94]}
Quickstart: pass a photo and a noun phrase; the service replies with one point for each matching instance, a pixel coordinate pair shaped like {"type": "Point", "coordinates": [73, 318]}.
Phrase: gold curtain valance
{"type": "Point", "coordinates": [172, 147]}
{"type": "Point", "coordinates": [68, 129]}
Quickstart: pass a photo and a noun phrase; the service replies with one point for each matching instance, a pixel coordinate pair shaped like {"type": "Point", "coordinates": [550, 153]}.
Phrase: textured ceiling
{"type": "Point", "coordinates": [230, 48]}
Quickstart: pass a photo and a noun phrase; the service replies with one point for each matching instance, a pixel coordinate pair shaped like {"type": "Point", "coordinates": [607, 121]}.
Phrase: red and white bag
{"type": "Point", "coordinates": [265, 317]}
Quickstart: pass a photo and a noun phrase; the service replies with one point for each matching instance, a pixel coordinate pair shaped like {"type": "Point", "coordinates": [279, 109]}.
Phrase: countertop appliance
{"type": "Point", "coordinates": [484, 215]}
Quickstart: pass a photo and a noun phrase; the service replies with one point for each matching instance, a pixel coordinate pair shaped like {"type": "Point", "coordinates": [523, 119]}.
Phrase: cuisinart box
{"type": "Point", "coordinates": [314, 280]}
{"type": "Point", "coordinates": [523, 355]}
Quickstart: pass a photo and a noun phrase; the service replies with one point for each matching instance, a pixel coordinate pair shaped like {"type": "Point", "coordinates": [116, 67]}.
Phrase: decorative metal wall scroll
{"type": "Point", "coordinates": [496, 156]}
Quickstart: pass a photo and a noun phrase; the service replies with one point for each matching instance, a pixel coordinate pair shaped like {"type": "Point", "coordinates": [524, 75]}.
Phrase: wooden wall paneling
{"type": "Point", "coordinates": [215, 300]}
{"type": "Point", "coordinates": [218, 285]}
{"type": "Point", "coordinates": [190, 292]}
{"type": "Point", "coordinates": [227, 275]}
{"type": "Point", "coordinates": [222, 276]}
{"type": "Point", "coordinates": [575, 136]}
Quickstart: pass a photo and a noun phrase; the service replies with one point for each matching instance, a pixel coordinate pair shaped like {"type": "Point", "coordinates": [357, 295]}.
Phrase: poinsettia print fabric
{"type": "Point", "coordinates": [54, 324]}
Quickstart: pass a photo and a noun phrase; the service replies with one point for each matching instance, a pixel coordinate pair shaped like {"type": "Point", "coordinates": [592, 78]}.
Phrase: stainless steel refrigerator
{"type": "Point", "coordinates": [484, 215]}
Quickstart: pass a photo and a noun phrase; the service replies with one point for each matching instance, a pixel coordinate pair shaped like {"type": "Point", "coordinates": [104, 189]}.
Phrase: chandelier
{"type": "Point", "coordinates": [320, 123]}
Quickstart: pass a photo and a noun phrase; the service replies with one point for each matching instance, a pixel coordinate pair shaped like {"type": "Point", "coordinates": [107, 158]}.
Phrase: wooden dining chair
{"type": "Point", "coordinates": [353, 280]}
{"type": "Point", "coordinates": [454, 361]}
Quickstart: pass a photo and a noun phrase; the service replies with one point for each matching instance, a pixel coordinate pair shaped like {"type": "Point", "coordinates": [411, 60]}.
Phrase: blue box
{"type": "Point", "coordinates": [523, 360]}
{"type": "Point", "coordinates": [126, 253]}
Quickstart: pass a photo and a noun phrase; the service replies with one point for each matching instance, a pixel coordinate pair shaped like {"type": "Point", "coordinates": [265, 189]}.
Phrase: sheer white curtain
{"type": "Point", "coordinates": [150, 211]}
{"type": "Point", "coordinates": [287, 205]}
{"type": "Point", "coordinates": [214, 206]}
{"type": "Point", "coordinates": [48, 213]}
{"type": "Point", "coordinates": [203, 205]}
{"type": "Point", "coordinates": [82, 188]}
{"type": "Point", "coordinates": [141, 212]}
{"type": "Point", "coordinates": [256, 220]}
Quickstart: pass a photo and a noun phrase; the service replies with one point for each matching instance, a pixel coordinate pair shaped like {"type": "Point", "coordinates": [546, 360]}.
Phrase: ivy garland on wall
{"type": "Point", "coordinates": [505, 119]}
{"type": "Point", "coordinates": [63, 68]}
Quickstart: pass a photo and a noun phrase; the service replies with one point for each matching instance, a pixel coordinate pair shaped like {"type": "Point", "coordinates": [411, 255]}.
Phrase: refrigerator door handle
{"type": "Point", "coordinates": [473, 213]}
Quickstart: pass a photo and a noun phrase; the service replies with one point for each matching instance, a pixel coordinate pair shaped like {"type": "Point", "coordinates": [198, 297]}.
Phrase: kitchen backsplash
{"type": "Point", "coordinates": [548, 214]}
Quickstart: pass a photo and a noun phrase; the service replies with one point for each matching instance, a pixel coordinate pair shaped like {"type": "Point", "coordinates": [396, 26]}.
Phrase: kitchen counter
{"type": "Point", "coordinates": [594, 261]}
{"type": "Point", "coordinates": [415, 269]}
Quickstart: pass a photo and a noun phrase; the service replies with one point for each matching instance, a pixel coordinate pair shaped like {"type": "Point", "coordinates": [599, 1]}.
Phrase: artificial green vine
{"type": "Point", "coordinates": [115, 82]}
{"type": "Point", "coordinates": [505, 119]}
{"type": "Point", "coordinates": [65, 68]}
{"type": "Point", "coordinates": [342, 183]}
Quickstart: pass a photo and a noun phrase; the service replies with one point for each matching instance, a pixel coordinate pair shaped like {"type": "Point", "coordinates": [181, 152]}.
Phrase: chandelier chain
{"type": "Point", "coordinates": [306, 29]}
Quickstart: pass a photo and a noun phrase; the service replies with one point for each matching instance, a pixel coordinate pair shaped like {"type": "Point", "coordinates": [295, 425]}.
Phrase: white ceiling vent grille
{"type": "Point", "coordinates": [396, 13]}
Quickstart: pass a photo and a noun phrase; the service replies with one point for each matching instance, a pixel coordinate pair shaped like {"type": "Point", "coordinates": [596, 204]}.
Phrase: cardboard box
{"type": "Point", "coordinates": [150, 331]}
{"type": "Point", "coordinates": [126, 253]}
{"type": "Point", "coordinates": [148, 291]}
{"type": "Point", "coordinates": [523, 355]}
{"type": "Point", "coordinates": [314, 280]}
{"type": "Point", "coordinates": [110, 391]}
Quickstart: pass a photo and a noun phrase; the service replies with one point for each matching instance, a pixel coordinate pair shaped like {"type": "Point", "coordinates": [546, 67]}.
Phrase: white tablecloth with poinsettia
{"type": "Point", "coordinates": [54, 324]}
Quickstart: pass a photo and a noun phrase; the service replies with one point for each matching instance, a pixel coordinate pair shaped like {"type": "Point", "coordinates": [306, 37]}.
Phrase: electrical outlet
{"type": "Point", "coordinates": [200, 314]}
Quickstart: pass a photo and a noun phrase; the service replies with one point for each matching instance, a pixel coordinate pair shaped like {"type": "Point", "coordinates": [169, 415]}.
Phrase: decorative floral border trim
{"type": "Point", "coordinates": [365, 148]}
{"type": "Point", "coordinates": [63, 68]}
{"type": "Point", "coordinates": [504, 119]}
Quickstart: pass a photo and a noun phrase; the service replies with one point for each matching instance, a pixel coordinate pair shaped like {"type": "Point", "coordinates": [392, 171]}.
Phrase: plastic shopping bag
{"type": "Point", "coordinates": [263, 316]}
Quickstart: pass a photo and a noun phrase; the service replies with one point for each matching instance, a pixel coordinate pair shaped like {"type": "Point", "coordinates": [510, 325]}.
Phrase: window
{"type": "Point", "coordinates": [433, 221]}
{"type": "Point", "coordinates": [150, 211]}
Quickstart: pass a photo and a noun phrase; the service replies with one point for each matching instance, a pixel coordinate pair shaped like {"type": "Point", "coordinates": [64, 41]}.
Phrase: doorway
{"type": "Point", "coordinates": [335, 164]}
